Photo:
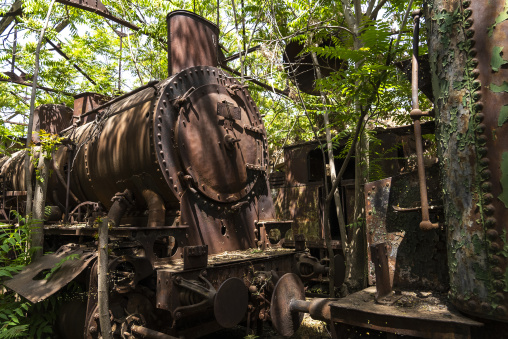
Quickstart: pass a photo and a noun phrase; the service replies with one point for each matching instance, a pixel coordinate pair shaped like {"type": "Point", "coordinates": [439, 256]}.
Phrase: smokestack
{"type": "Point", "coordinates": [192, 41]}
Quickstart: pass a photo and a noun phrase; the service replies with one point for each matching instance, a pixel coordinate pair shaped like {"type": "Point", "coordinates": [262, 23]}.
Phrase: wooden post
{"type": "Point", "coordinates": [102, 281]}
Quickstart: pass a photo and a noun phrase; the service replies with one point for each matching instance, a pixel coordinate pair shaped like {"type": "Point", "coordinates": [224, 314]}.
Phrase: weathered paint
{"type": "Point", "coordinates": [471, 135]}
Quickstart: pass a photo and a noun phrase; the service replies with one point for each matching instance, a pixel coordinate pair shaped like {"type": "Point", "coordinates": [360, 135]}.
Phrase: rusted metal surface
{"type": "Point", "coordinates": [416, 259]}
{"type": "Point", "coordinates": [51, 118]}
{"type": "Point", "coordinates": [380, 260]}
{"type": "Point", "coordinates": [86, 102]}
{"type": "Point", "coordinates": [434, 319]}
{"type": "Point", "coordinates": [193, 41]}
{"type": "Point", "coordinates": [300, 67]}
{"type": "Point", "coordinates": [32, 284]}
{"type": "Point", "coordinates": [288, 288]}
{"type": "Point", "coordinates": [472, 137]}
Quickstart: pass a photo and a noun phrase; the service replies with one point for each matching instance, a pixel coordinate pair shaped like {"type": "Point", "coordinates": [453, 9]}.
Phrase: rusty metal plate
{"type": "Point", "coordinates": [30, 283]}
{"type": "Point", "coordinates": [229, 110]}
{"type": "Point", "coordinates": [168, 124]}
{"type": "Point", "coordinates": [288, 288]}
{"type": "Point", "coordinates": [215, 157]}
{"type": "Point", "coordinates": [51, 118]}
{"type": "Point", "coordinates": [231, 302]}
{"type": "Point", "coordinates": [193, 41]}
{"type": "Point", "coordinates": [416, 259]}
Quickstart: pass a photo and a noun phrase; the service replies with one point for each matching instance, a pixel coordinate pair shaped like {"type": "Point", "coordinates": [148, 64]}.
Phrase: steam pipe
{"type": "Point", "coordinates": [156, 208]}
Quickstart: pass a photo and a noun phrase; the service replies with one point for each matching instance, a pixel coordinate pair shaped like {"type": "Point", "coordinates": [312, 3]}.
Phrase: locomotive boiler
{"type": "Point", "coordinates": [179, 166]}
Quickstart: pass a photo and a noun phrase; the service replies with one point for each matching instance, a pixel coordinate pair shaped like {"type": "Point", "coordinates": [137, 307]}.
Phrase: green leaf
{"type": "Point", "coordinates": [498, 89]}
{"type": "Point", "coordinates": [497, 59]}
{"type": "Point", "coordinates": [503, 116]}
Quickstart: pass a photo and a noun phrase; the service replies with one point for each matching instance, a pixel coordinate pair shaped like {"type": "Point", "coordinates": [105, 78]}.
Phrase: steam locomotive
{"type": "Point", "coordinates": [180, 168]}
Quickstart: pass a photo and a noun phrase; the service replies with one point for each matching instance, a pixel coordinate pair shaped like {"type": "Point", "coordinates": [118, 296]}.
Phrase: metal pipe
{"type": "Point", "coordinates": [156, 208]}
{"type": "Point", "coordinates": [416, 114]}
{"type": "Point", "coordinates": [148, 333]}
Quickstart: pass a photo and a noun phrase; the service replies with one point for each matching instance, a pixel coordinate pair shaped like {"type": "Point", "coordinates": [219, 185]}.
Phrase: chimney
{"type": "Point", "coordinates": [192, 41]}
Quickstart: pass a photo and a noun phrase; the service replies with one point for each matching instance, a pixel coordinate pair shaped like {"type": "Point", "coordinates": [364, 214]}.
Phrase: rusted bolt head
{"type": "Point", "coordinates": [178, 279]}
{"type": "Point", "coordinates": [499, 297]}
{"type": "Point", "coordinates": [497, 272]}
{"type": "Point", "coordinates": [485, 307]}
{"type": "Point", "coordinates": [492, 234]}
{"type": "Point", "coordinates": [488, 198]}
{"type": "Point", "coordinates": [501, 310]}
{"type": "Point", "coordinates": [498, 284]}
{"type": "Point", "coordinates": [178, 315]}
{"type": "Point", "coordinates": [253, 289]}
{"type": "Point", "coordinates": [494, 246]}
{"type": "Point", "coordinates": [487, 186]}
{"type": "Point", "coordinates": [92, 329]}
{"type": "Point", "coordinates": [489, 210]}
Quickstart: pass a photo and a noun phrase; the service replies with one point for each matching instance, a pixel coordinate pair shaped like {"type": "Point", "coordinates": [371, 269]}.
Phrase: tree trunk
{"type": "Point", "coordinates": [41, 185]}
{"type": "Point", "coordinates": [356, 256]}
{"type": "Point", "coordinates": [28, 173]}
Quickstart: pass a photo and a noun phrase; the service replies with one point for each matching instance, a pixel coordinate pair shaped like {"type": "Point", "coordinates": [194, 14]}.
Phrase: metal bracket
{"type": "Point", "coordinates": [195, 257]}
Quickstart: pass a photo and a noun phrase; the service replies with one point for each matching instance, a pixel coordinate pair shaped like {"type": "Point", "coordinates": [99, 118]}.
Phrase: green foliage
{"type": "Point", "coordinates": [18, 317]}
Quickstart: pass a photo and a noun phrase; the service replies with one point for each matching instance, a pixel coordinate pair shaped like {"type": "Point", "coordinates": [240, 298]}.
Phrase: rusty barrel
{"type": "Point", "coordinates": [466, 43]}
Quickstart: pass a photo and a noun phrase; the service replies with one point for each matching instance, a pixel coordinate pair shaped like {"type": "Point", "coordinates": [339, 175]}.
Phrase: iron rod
{"type": "Point", "coordinates": [416, 114]}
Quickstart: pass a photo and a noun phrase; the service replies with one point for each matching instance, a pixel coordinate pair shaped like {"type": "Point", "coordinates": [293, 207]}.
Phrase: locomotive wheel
{"type": "Point", "coordinates": [288, 288]}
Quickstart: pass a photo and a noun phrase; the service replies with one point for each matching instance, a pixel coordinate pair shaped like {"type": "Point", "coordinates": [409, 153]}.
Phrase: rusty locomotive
{"type": "Point", "coordinates": [179, 166]}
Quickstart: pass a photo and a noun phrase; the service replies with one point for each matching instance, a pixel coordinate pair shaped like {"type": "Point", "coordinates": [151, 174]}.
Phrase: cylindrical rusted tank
{"type": "Point", "coordinates": [466, 44]}
{"type": "Point", "coordinates": [197, 141]}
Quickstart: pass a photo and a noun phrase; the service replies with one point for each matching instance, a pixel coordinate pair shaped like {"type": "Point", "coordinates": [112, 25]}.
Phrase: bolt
{"type": "Point", "coordinates": [92, 329]}
{"type": "Point", "coordinates": [178, 315]}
